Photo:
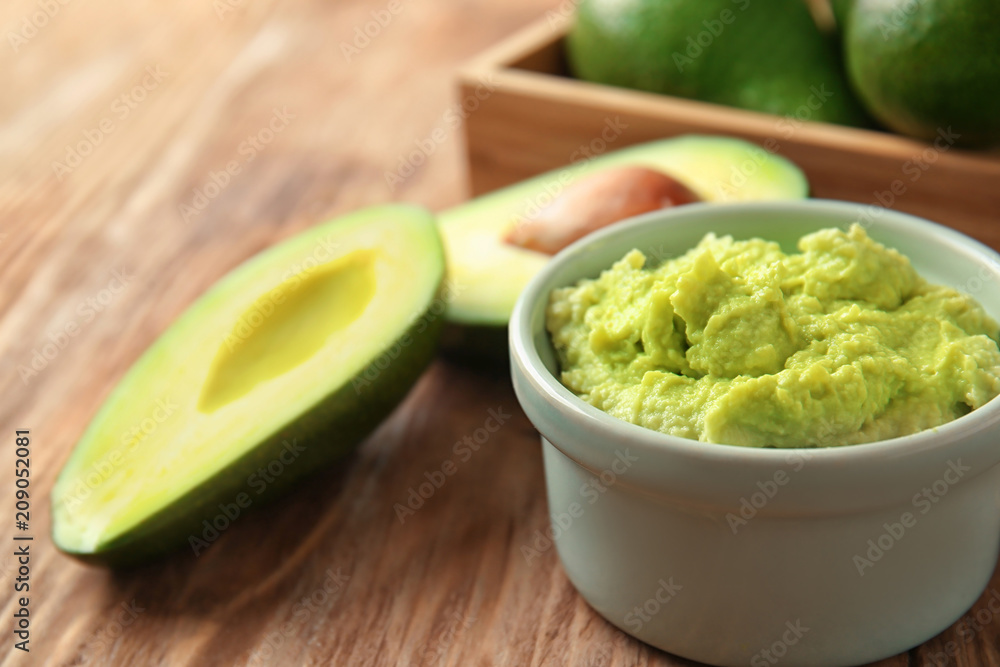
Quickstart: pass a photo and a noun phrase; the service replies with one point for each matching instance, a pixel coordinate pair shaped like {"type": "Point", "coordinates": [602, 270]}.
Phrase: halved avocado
{"type": "Point", "coordinates": [488, 274]}
{"type": "Point", "coordinates": [282, 366]}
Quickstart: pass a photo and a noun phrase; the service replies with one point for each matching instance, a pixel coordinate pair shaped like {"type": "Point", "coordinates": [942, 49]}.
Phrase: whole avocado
{"type": "Point", "coordinates": [924, 67]}
{"type": "Point", "coordinates": [764, 56]}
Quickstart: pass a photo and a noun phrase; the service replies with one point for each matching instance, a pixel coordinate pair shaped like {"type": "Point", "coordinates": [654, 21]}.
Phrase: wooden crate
{"type": "Point", "coordinates": [529, 116]}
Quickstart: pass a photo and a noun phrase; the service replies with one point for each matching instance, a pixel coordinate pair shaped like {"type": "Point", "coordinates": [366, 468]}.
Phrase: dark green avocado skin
{"type": "Point", "coordinates": [762, 55]}
{"type": "Point", "coordinates": [841, 8]}
{"type": "Point", "coordinates": [328, 432]}
{"type": "Point", "coordinates": [929, 67]}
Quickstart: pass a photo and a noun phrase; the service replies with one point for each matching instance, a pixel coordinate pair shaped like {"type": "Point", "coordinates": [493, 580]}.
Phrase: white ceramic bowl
{"type": "Point", "coordinates": [742, 556]}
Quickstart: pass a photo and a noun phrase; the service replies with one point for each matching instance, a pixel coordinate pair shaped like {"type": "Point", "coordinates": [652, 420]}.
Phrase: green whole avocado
{"type": "Point", "coordinates": [929, 66]}
{"type": "Point", "coordinates": [763, 56]}
{"type": "Point", "coordinates": [283, 366]}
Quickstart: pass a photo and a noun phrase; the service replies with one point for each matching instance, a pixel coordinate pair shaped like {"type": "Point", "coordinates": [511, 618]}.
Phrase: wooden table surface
{"type": "Point", "coordinates": [114, 119]}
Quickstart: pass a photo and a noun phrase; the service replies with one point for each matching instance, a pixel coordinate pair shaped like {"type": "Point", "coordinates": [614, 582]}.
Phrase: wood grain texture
{"type": "Point", "coordinates": [330, 575]}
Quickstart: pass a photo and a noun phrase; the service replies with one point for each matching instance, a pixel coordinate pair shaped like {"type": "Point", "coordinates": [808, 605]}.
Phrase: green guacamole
{"type": "Point", "coordinates": [736, 342]}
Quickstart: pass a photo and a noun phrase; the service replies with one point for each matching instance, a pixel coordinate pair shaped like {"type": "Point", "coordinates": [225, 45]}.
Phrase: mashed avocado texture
{"type": "Point", "coordinates": [736, 342]}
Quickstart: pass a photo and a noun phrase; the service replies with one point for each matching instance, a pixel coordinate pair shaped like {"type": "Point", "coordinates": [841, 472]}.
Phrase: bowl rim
{"type": "Point", "coordinates": [526, 359]}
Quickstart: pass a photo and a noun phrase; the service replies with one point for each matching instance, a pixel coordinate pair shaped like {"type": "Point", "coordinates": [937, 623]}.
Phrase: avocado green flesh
{"type": "Point", "coordinates": [740, 343]}
{"type": "Point", "coordinates": [764, 56]}
{"type": "Point", "coordinates": [294, 356]}
{"type": "Point", "coordinates": [487, 274]}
